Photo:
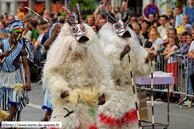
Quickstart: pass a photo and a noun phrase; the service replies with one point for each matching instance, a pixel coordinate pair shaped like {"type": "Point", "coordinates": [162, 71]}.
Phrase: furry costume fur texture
{"type": "Point", "coordinates": [3, 115]}
{"type": "Point", "coordinates": [122, 101]}
{"type": "Point", "coordinates": [70, 66]}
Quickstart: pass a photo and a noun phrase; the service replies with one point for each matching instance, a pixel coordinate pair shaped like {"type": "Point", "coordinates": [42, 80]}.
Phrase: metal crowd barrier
{"type": "Point", "coordinates": [183, 67]}
{"type": "Point", "coordinates": [182, 75]}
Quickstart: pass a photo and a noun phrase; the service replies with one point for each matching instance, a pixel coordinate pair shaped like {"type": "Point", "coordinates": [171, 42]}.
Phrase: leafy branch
{"type": "Point", "coordinates": [168, 2]}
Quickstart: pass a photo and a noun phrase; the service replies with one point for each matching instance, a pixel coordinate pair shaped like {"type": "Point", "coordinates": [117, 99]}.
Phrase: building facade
{"type": "Point", "coordinates": [136, 6]}
{"type": "Point", "coordinates": [10, 6]}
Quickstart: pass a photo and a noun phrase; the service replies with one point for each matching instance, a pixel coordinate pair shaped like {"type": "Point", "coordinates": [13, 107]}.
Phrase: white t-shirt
{"type": "Point", "coordinates": [173, 59]}
{"type": "Point", "coordinates": [40, 37]}
{"type": "Point", "coordinates": [178, 20]}
{"type": "Point", "coordinates": [157, 42]}
{"type": "Point", "coordinates": [162, 31]}
{"type": "Point", "coordinates": [27, 35]}
{"type": "Point", "coordinates": [191, 48]}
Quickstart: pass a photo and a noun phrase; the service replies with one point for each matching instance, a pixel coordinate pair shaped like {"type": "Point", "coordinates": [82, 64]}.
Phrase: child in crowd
{"type": "Point", "coordinates": [178, 12]}
{"type": "Point", "coordinates": [173, 22]}
{"type": "Point", "coordinates": [6, 36]}
{"type": "Point", "coordinates": [172, 66]}
{"type": "Point", "coordinates": [1, 36]}
{"type": "Point", "coordinates": [156, 24]}
{"type": "Point", "coordinates": [167, 23]}
{"type": "Point", "coordinates": [20, 13]}
{"type": "Point", "coordinates": [117, 12]}
{"type": "Point", "coordinates": [170, 14]}
{"type": "Point", "coordinates": [191, 63]}
{"type": "Point", "coordinates": [46, 13]}
{"type": "Point", "coordinates": [72, 11]}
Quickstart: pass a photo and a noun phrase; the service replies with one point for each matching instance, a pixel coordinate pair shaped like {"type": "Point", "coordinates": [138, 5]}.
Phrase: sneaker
{"type": "Point", "coordinates": [148, 99]}
{"type": "Point", "coordinates": [186, 103]}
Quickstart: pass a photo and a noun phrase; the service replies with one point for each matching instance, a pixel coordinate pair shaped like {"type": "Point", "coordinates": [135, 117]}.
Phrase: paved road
{"type": "Point", "coordinates": [179, 118]}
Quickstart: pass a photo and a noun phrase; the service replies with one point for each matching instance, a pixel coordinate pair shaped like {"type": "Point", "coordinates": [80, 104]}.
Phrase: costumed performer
{"type": "Point", "coordinates": [117, 39]}
{"type": "Point", "coordinates": [13, 99]}
{"type": "Point", "coordinates": [77, 74]}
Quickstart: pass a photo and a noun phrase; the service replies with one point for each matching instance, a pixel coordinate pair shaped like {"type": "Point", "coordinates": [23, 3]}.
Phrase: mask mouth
{"type": "Point", "coordinates": [124, 34]}
{"type": "Point", "coordinates": [81, 38]}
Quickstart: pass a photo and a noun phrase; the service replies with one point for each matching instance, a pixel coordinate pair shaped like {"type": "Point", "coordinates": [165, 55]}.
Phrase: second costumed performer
{"type": "Point", "coordinates": [117, 39]}
{"type": "Point", "coordinates": [77, 74]}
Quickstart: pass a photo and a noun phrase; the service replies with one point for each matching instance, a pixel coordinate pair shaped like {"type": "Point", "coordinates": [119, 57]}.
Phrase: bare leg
{"type": "Point", "coordinates": [47, 115]}
{"type": "Point", "coordinates": [12, 111]}
{"type": "Point", "coordinates": [170, 88]}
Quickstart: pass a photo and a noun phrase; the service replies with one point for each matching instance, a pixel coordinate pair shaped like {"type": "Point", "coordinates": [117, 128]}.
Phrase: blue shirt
{"type": "Point", "coordinates": [4, 30]}
{"type": "Point", "coordinates": [189, 12]}
{"type": "Point", "coordinates": [45, 38]}
{"type": "Point", "coordinates": [2, 39]}
{"type": "Point", "coordinates": [178, 20]}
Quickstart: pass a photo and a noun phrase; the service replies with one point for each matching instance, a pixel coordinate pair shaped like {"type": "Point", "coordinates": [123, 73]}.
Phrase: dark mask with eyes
{"type": "Point", "coordinates": [119, 24]}
{"type": "Point", "coordinates": [77, 29]}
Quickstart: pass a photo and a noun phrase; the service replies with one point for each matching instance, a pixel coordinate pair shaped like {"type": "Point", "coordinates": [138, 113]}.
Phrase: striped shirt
{"type": "Point", "coordinates": [28, 47]}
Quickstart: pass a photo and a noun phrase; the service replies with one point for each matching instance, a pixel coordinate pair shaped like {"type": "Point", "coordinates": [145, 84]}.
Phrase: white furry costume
{"type": "Point", "coordinates": [72, 65]}
{"type": "Point", "coordinates": [120, 110]}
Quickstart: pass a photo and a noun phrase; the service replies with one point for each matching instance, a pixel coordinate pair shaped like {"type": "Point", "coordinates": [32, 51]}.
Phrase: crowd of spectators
{"type": "Point", "coordinates": [171, 33]}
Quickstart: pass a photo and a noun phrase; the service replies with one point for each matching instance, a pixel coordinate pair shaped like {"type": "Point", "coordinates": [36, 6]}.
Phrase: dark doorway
{"type": "Point", "coordinates": [136, 7]}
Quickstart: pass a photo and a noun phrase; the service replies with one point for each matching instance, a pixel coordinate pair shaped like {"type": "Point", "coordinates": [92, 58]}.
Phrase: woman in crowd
{"type": "Point", "coordinates": [156, 41]}
{"type": "Point", "coordinates": [101, 9]}
{"type": "Point", "coordinates": [95, 28]}
{"type": "Point", "coordinates": [27, 32]}
{"type": "Point", "coordinates": [90, 20]}
{"type": "Point", "coordinates": [3, 27]}
{"type": "Point", "coordinates": [117, 12]}
{"type": "Point", "coordinates": [167, 34]}
{"type": "Point", "coordinates": [145, 26]}
{"type": "Point", "coordinates": [179, 34]}
{"type": "Point", "coordinates": [148, 43]}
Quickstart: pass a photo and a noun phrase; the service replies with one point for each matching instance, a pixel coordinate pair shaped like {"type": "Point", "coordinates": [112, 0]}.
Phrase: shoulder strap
{"type": "Point", "coordinates": [24, 42]}
{"type": "Point", "coordinates": [2, 47]}
{"type": "Point", "coordinates": [8, 64]}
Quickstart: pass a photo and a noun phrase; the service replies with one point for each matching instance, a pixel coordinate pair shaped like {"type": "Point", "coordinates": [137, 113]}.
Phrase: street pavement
{"type": "Point", "coordinates": [180, 118]}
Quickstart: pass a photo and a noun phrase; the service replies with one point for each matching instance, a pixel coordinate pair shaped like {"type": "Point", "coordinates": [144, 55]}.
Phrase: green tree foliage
{"type": "Point", "coordinates": [87, 7]}
{"type": "Point", "coordinates": [179, 2]}
{"type": "Point", "coordinates": [64, 14]}
{"type": "Point", "coordinates": [168, 2]}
